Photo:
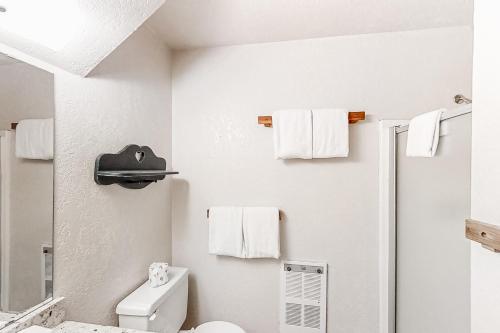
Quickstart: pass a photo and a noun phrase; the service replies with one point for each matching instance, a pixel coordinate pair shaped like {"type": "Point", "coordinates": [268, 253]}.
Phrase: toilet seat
{"type": "Point", "coordinates": [219, 327]}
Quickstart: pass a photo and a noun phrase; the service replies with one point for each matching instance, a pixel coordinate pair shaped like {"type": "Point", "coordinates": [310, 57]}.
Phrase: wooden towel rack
{"type": "Point", "coordinates": [487, 235]}
{"type": "Point", "coordinates": [354, 117]}
{"type": "Point", "coordinates": [280, 214]}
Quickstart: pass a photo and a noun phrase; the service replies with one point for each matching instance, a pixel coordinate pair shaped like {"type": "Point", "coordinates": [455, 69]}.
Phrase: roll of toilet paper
{"type": "Point", "coordinates": [158, 274]}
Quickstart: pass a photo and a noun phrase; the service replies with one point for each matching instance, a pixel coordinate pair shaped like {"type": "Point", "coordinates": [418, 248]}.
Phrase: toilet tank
{"type": "Point", "coordinates": [162, 309]}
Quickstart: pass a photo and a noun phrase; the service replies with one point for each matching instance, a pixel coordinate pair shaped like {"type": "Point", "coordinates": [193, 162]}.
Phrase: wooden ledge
{"type": "Point", "coordinates": [487, 235]}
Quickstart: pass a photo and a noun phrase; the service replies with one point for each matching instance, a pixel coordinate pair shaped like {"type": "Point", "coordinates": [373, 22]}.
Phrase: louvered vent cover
{"type": "Point", "coordinates": [303, 297]}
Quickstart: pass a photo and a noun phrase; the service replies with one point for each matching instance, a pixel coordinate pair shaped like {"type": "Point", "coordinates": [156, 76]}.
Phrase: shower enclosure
{"type": "Point", "coordinates": [424, 255]}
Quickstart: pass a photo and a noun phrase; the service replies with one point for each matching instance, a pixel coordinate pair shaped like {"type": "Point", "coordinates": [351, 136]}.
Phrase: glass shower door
{"type": "Point", "coordinates": [433, 256]}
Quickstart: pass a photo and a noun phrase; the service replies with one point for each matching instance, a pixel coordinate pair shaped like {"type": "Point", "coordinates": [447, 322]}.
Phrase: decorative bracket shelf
{"type": "Point", "coordinates": [133, 167]}
{"type": "Point", "coordinates": [487, 235]}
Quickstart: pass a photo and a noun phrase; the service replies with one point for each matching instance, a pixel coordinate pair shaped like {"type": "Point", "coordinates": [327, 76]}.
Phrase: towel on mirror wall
{"type": "Point", "coordinates": [35, 139]}
{"type": "Point", "coordinates": [158, 274]}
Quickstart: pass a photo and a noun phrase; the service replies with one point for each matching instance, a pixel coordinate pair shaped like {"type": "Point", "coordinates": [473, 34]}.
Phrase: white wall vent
{"type": "Point", "coordinates": [303, 297]}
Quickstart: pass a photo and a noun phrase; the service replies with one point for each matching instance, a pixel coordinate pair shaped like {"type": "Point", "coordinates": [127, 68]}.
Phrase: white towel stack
{"type": "Point", "coordinates": [423, 134]}
{"type": "Point", "coordinates": [306, 134]}
{"type": "Point", "coordinates": [35, 139]}
{"type": "Point", "coordinates": [158, 274]}
{"type": "Point", "coordinates": [244, 232]}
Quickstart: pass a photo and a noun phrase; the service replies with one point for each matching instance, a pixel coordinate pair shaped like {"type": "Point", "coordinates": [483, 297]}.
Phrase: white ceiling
{"type": "Point", "coordinates": [75, 35]}
{"type": "Point", "coordinates": [202, 23]}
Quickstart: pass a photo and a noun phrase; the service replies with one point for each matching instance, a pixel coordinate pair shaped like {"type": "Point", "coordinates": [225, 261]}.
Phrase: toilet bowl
{"type": "Point", "coordinates": [163, 309]}
{"type": "Point", "coordinates": [216, 327]}
{"type": "Point", "coordinates": [219, 327]}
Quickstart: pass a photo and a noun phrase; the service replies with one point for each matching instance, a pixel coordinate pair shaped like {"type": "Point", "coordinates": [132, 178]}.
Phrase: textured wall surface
{"type": "Point", "coordinates": [106, 236]}
{"type": "Point", "coordinates": [485, 293]}
{"type": "Point", "coordinates": [330, 205]}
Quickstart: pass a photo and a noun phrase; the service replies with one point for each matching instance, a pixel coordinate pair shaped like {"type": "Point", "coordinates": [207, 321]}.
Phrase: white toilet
{"type": "Point", "coordinates": [163, 309]}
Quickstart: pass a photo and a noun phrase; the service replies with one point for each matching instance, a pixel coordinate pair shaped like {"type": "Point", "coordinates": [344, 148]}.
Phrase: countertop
{"type": "Point", "coordinates": [77, 327]}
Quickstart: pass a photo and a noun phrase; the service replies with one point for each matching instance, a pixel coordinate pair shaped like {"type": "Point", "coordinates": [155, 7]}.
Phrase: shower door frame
{"type": "Point", "coordinates": [387, 224]}
{"type": "Point", "coordinates": [5, 144]}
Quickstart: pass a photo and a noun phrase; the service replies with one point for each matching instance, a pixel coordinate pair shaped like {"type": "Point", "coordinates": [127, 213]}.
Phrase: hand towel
{"type": "Point", "coordinates": [292, 134]}
{"type": "Point", "coordinates": [423, 134]}
{"type": "Point", "coordinates": [158, 274]}
{"type": "Point", "coordinates": [261, 232]}
{"type": "Point", "coordinates": [330, 133]}
{"type": "Point", "coordinates": [35, 139]}
{"type": "Point", "coordinates": [225, 231]}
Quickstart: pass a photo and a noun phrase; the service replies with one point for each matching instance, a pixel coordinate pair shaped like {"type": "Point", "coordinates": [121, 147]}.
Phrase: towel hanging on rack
{"type": "Point", "coordinates": [244, 232]}
{"type": "Point", "coordinates": [309, 134]}
{"type": "Point", "coordinates": [353, 116]}
{"type": "Point", "coordinates": [423, 134]}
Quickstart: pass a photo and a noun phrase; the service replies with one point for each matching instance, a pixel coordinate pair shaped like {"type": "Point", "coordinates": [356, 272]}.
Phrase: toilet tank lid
{"type": "Point", "coordinates": [145, 300]}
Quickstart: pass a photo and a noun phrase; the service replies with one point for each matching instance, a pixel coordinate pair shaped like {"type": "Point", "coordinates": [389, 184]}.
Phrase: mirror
{"type": "Point", "coordinates": [26, 187]}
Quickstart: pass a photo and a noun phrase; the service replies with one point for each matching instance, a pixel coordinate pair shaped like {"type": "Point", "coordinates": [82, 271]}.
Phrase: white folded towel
{"type": "Point", "coordinates": [261, 232]}
{"type": "Point", "coordinates": [35, 139]}
{"type": "Point", "coordinates": [158, 274]}
{"type": "Point", "coordinates": [225, 231]}
{"type": "Point", "coordinates": [292, 134]}
{"type": "Point", "coordinates": [423, 134]}
{"type": "Point", "coordinates": [330, 133]}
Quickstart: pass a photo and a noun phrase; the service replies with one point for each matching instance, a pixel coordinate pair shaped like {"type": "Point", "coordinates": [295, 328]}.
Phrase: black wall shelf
{"type": "Point", "coordinates": [134, 167]}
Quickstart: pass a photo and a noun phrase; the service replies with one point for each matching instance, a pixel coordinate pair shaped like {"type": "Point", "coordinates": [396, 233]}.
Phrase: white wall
{"type": "Point", "coordinates": [25, 92]}
{"type": "Point", "coordinates": [225, 158]}
{"type": "Point", "coordinates": [485, 157]}
{"type": "Point", "coordinates": [106, 236]}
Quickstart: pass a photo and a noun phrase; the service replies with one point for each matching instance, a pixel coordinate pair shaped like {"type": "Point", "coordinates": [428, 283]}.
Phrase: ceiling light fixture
{"type": "Point", "coordinates": [3, 9]}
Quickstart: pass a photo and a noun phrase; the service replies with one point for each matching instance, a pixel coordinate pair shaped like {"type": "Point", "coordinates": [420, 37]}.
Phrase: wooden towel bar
{"type": "Point", "coordinates": [354, 117]}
